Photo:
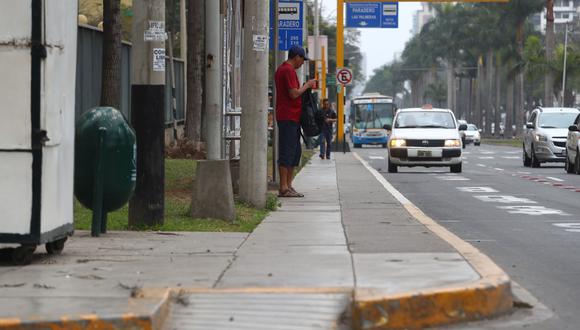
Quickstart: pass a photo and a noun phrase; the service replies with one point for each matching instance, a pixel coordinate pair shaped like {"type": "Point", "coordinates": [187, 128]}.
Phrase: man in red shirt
{"type": "Point", "coordinates": [288, 111]}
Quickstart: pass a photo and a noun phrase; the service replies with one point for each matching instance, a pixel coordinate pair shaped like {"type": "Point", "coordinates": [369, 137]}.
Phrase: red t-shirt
{"type": "Point", "coordinates": [286, 107]}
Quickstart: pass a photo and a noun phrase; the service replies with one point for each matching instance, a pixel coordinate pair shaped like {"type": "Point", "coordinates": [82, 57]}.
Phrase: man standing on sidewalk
{"type": "Point", "coordinates": [326, 135]}
{"type": "Point", "coordinates": [288, 111]}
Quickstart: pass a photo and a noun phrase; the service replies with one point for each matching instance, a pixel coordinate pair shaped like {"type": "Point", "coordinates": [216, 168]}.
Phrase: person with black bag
{"type": "Point", "coordinates": [288, 113]}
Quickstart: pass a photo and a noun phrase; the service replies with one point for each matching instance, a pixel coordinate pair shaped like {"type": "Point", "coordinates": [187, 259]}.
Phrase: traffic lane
{"type": "Point", "coordinates": [508, 159]}
{"type": "Point", "coordinates": [535, 251]}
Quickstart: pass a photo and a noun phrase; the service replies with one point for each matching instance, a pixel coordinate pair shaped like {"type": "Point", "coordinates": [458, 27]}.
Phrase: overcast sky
{"type": "Point", "coordinates": [381, 45]}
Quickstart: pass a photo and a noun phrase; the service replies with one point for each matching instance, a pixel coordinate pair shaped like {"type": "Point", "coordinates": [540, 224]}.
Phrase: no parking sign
{"type": "Point", "coordinates": [344, 76]}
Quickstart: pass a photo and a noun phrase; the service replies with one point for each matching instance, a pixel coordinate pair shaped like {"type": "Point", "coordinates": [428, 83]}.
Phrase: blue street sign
{"type": "Point", "coordinates": [372, 14]}
{"type": "Point", "coordinates": [290, 23]}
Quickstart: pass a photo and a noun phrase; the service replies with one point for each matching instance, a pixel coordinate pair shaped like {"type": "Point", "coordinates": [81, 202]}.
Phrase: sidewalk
{"type": "Point", "coordinates": [351, 254]}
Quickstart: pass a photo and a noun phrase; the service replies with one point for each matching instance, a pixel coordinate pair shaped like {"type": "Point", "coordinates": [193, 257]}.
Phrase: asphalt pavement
{"type": "Point", "coordinates": [526, 219]}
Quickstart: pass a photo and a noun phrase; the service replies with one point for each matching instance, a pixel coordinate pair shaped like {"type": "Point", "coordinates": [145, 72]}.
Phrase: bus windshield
{"type": "Point", "coordinates": [373, 115]}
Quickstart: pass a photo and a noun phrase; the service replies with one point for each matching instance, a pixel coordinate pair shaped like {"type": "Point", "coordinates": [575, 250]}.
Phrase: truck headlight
{"type": "Point", "coordinates": [541, 138]}
{"type": "Point", "coordinates": [453, 143]}
{"type": "Point", "coordinates": [397, 143]}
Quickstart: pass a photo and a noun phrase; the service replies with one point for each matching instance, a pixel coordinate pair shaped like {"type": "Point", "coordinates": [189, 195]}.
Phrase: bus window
{"type": "Point", "coordinates": [373, 115]}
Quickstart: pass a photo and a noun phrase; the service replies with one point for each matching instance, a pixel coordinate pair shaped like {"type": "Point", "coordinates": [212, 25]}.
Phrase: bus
{"type": "Point", "coordinates": [369, 114]}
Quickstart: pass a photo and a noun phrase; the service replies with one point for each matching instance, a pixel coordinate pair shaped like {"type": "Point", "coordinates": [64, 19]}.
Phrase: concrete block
{"type": "Point", "coordinates": [213, 196]}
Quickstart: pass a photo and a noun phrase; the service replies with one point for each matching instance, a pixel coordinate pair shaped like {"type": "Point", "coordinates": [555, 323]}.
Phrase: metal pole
{"type": "Point", "coordinates": [277, 61]}
{"type": "Point", "coordinates": [564, 69]}
{"type": "Point", "coordinates": [339, 65]}
{"type": "Point", "coordinates": [254, 145]}
{"type": "Point", "coordinates": [213, 78]}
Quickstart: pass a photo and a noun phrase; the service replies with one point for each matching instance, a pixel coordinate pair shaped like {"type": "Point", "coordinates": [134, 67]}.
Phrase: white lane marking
{"type": "Point", "coordinates": [571, 227]}
{"type": "Point", "coordinates": [524, 172]}
{"type": "Point", "coordinates": [377, 157]}
{"type": "Point", "coordinates": [481, 165]}
{"type": "Point", "coordinates": [532, 210]}
{"type": "Point", "coordinates": [488, 152]}
{"type": "Point", "coordinates": [466, 152]}
{"type": "Point", "coordinates": [477, 189]}
{"type": "Point", "coordinates": [554, 179]}
{"type": "Point", "coordinates": [498, 169]}
{"type": "Point", "coordinates": [511, 157]}
{"type": "Point", "coordinates": [452, 178]}
{"type": "Point", "coordinates": [513, 152]}
{"type": "Point", "coordinates": [506, 199]}
{"type": "Point", "coordinates": [486, 157]}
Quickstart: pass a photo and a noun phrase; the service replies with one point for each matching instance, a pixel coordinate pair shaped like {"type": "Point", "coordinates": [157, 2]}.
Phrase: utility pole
{"type": "Point", "coordinates": [147, 111]}
{"type": "Point", "coordinates": [213, 79]}
{"type": "Point", "coordinates": [253, 147]}
{"type": "Point", "coordinates": [549, 78]}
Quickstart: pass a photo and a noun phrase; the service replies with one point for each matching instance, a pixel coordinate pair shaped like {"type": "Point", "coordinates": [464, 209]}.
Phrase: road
{"type": "Point", "coordinates": [526, 219]}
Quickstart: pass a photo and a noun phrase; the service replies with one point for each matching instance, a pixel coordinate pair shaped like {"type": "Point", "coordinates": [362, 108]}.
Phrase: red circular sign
{"type": "Point", "coordinates": [344, 76]}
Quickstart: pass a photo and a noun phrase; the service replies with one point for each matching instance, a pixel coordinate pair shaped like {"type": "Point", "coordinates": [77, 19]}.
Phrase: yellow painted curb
{"type": "Point", "coordinates": [490, 296]}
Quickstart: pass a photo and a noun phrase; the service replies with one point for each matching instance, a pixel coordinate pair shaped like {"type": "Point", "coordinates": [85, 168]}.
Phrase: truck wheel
{"type": "Point", "coordinates": [22, 255]}
{"type": "Point", "coordinates": [55, 247]}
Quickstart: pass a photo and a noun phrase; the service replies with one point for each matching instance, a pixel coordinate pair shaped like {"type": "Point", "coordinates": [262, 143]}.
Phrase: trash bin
{"type": "Point", "coordinates": [37, 93]}
{"type": "Point", "coordinates": [105, 163]}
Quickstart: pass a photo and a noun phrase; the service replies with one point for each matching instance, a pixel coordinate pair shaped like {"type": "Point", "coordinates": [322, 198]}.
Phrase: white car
{"type": "Point", "coordinates": [472, 135]}
{"type": "Point", "coordinates": [573, 147]}
{"type": "Point", "coordinates": [425, 137]}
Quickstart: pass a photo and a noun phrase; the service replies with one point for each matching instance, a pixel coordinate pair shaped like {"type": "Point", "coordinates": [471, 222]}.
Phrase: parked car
{"type": "Point", "coordinates": [472, 135]}
{"type": "Point", "coordinates": [546, 134]}
{"type": "Point", "coordinates": [425, 137]}
{"type": "Point", "coordinates": [573, 147]}
{"type": "Point", "coordinates": [462, 133]}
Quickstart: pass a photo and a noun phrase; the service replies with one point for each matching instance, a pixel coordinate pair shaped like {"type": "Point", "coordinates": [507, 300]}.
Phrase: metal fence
{"type": "Point", "coordinates": [89, 70]}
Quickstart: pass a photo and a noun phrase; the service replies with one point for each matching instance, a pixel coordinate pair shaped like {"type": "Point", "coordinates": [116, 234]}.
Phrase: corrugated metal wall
{"type": "Point", "coordinates": [88, 77]}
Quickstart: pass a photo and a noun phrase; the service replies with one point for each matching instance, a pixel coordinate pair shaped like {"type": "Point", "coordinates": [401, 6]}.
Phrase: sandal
{"type": "Point", "coordinates": [286, 193]}
{"type": "Point", "coordinates": [295, 192]}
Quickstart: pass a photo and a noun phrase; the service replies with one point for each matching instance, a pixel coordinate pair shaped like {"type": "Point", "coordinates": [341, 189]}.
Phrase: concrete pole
{"type": "Point", "coordinates": [148, 112]}
{"type": "Point", "coordinates": [254, 144]}
{"type": "Point", "coordinates": [183, 45]}
{"type": "Point", "coordinates": [316, 51]}
{"type": "Point", "coordinates": [213, 79]}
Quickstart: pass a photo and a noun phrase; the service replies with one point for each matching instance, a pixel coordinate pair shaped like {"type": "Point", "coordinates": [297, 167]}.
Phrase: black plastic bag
{"type": "Point", "coordinates": [312, 118]}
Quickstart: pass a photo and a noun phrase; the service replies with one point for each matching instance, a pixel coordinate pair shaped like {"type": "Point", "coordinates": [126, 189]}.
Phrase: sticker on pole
{"type": "Point", "coordinates": [344, 76]}
{"type": "Point", "coordinates": [159, 59]}
{"type": "Point", "coordinates": [260, 42]}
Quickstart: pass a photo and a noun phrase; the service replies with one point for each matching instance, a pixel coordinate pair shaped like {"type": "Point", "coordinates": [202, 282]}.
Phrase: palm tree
{"type": "Point", "coordinates": [195, 69]}
{"type": "Point", "coordinates": [111, 79]}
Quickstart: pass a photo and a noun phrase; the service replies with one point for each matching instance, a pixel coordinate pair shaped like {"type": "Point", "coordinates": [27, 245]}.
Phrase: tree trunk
{"type": "Point", "coordinates": [509, 108]}
{"type": "Point", "coordinates": [490, 106]}
{"type": "Point", "coordinates": [111, 79]}
{"type": "Point", "coordinates": [195, 69]}
{"type": "Point", "coordinates": [497, 113]}
{"type": "Point", "coordinates": [549, 79]}
{"type": "Point", "coordinates": [519, 101]}
{"type": "Point", "coordinates": [450, 86]}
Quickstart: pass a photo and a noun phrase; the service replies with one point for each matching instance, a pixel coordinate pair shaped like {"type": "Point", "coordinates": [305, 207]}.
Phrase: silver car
{"type": "Point", "coordinates": [546, 134]}
{"type": "Point", "coordinates": [573, 147]}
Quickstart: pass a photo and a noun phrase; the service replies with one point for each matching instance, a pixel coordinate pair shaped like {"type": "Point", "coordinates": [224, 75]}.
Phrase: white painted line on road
{"type": "Point", "coordinates": [554, 179]}
{"type": "Point", "coordinates": [524, 172]}
{"type": "Point", "coordinates": [498, 169]}
{"type": "Point", "coordinates": [511, 157]}
{"type": "Point", "coordinates": [571, 227]}
{"type": "Point", "coordinates": [377, 157]}
{"type": "Point", "coordinates": [506, 199]}
{"type": "Point", "coordinates": [485, 152]}
{"type": "Point", "coordinates": [452, 178]}
{"type": "Point", "coordinates": [481, 165]}
{"type": "Point", "coordinates": [486, 157]}
{"type": "Point", "coordinates": [532, 210]}
{"type": "Point", "coordinates": [477, 189]}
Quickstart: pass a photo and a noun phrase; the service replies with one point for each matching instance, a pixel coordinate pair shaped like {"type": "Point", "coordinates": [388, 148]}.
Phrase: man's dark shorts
{"type": "Point", "coordinates": [289, 143]}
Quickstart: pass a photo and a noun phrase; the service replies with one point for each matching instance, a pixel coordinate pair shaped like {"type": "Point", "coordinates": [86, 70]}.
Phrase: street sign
{"type": "Point", "coordinates": [372, 15]}
{"type": "Point", "coordinates": [290, 23]}
{"type": "Point", "coordinates": [344, 76]}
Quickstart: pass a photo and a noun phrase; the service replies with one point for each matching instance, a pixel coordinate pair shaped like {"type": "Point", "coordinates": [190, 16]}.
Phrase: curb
{"type": "Point", "coordinates": [148, 320]}
{"type": "Point", "coordinates": [490, 296]}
